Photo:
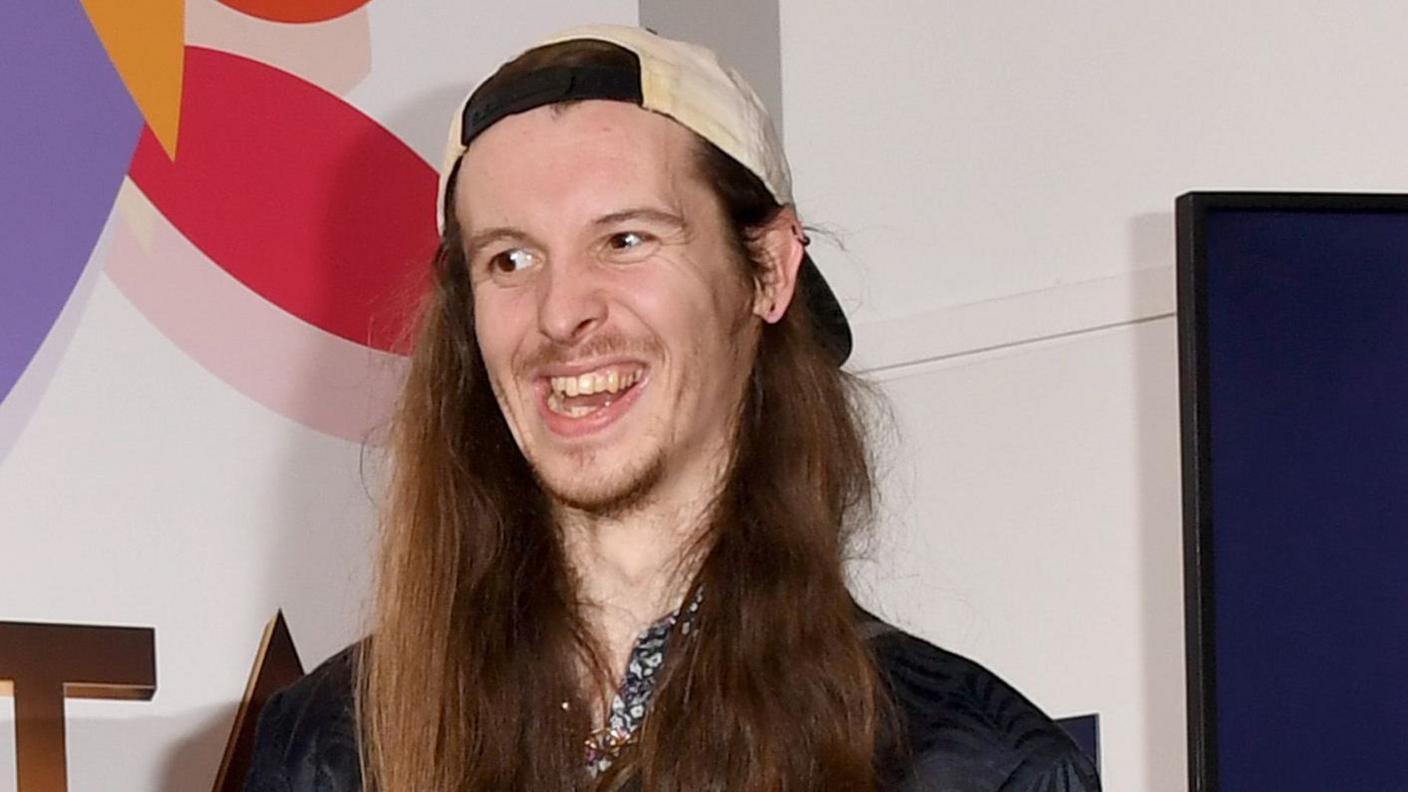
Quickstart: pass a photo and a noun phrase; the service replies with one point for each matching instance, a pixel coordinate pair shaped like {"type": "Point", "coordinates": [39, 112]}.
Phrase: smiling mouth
{"type": "Point", "coordinates": [585, 394]}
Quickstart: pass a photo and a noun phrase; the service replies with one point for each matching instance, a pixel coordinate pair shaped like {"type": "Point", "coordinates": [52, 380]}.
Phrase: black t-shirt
{"type": "Point", "coordinates": [968, 731]}
{"type": "Point", "coordinates": [964, 729]}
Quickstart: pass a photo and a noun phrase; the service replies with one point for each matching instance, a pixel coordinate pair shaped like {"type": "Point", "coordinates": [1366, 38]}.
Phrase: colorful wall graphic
{"type": "Point", "coordinates": [258, 220]}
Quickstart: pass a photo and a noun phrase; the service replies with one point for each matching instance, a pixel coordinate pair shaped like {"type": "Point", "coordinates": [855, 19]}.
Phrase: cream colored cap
{"type": "Point", "coordinates": [686, 82]}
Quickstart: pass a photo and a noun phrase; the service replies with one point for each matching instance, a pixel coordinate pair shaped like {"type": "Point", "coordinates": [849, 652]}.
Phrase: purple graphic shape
{"type": "Point", "coordinates": [67, 131]}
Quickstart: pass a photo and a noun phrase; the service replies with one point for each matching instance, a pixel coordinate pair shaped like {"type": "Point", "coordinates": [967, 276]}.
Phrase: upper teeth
{"type": "Point", "coordinates": [605, 380]}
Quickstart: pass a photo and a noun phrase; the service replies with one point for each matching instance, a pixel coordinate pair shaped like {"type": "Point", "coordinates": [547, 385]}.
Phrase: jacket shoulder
{"type": "Point", "coordinates": [967, 730]}
{"type": "Point", "coordinates": [306, 738]}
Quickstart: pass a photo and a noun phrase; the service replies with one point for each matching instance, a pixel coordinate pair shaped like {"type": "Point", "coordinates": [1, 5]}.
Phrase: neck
{"type": "Point", "coordinates": [632, 569]}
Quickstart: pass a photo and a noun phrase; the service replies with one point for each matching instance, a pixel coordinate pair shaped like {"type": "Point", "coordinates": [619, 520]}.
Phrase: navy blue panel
{"type": "Point", "coordinates": [1308, 344]}
{"type": "Point", "coordinates": [1085, 730]}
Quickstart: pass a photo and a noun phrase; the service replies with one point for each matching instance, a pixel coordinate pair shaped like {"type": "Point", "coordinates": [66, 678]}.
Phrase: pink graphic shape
{"type": "Point", "coordinates": [335, 56]}
{"type": "Point", "coordinates": [298, 195]}
{"type": "Point", "coordinates": [318, 379]}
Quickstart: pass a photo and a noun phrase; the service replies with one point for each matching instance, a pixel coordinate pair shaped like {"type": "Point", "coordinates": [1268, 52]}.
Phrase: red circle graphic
{"type": "Point", "coordinates": [296, 10]}
{"type": "Point", "coordinates": [298, 195]}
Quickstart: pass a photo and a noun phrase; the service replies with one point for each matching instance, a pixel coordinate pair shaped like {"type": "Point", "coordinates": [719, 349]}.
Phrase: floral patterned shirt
{"type": "Point", "coordinates": [632, 698]}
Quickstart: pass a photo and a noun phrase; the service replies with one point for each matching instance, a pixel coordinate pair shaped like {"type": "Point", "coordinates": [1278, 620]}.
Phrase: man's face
{"type": "Point", "coordinates": [609, 304]}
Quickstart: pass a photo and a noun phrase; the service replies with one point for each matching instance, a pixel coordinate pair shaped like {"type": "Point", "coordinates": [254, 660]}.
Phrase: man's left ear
{"type": "Point", "coordinates": [782, 244]}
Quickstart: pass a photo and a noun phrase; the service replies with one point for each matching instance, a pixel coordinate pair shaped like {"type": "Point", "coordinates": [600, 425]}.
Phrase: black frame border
{"type": "Point", "coordinates": [1190, 212]}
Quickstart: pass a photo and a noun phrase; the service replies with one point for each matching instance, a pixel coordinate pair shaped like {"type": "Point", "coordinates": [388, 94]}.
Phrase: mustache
{"type": "Point", "coordinates": [556, 354]}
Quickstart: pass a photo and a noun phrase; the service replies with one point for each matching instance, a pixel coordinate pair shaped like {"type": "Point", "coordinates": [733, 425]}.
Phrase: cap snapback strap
{"type": "Point", "coordinates": [549, 86]}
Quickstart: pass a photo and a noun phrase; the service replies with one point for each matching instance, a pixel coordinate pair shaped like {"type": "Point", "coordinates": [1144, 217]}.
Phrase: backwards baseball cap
{"type": "Point", "coordinates": [684, 81]}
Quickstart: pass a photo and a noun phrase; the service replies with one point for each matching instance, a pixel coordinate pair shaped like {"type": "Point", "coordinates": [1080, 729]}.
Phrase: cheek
{"type": "Point", "coordinates": [701, 326]}
{"type": "Point", "coordinates": [498, 334]}
{"type": "Point", "coordinates": [698, 293]}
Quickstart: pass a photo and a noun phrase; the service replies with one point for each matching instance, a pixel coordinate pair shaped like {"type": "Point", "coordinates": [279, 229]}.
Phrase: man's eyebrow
{"type": "Point", "coordinates": [645, 213]}
{"type": "Point", "coordinates": [481, 239]}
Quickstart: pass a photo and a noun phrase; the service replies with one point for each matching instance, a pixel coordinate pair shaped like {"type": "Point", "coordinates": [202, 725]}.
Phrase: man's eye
{"type": "Point", "coordinates": [515, 260]}
{"type": "Point", "coordinates": [626, 240]}
{"type": "Point", "coordinates": [631, 246]}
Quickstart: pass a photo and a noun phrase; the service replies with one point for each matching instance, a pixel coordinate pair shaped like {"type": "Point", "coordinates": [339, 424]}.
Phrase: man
{"type": "Point", "coordinates": [627, 467]}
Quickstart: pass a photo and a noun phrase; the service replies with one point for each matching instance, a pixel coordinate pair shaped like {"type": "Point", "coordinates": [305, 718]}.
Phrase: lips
{"type": "Point", "coordinates": [580, 401]}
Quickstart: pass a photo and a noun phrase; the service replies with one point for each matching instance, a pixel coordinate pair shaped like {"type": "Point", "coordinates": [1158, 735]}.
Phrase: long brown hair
{"type": "Point", "coordinates": [472, 677]}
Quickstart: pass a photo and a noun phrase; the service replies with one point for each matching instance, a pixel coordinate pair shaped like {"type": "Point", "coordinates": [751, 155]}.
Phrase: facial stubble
{"type": "Point", "coordinates": [602, 498]}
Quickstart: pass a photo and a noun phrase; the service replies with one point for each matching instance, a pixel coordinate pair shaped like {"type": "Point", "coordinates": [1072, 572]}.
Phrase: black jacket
{"type": "Point", "coordinates": [967, 730]}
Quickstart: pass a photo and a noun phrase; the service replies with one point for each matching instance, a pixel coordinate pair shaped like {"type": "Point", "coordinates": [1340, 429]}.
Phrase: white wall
{"type": "Point", "coordinates": [975, 151]}
{"type": "Point", "coordinates": [1031, 522]}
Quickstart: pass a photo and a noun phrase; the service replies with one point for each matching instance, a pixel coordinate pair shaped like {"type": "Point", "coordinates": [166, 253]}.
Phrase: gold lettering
{"type": "Point", "coordinates": [41, 664]}
{"type": "Point", "coordinates": [275, 664]}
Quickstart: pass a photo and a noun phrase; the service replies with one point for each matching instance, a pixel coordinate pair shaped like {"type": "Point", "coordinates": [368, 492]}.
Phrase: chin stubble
{"type": "Point", "coordinates": [609, 503]}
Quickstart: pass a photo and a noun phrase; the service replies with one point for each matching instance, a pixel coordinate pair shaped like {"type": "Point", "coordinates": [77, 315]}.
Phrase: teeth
{"type": "Point", "coordinates": [555, 404]}
{"type": "Point", "coordinates": [610, 381]}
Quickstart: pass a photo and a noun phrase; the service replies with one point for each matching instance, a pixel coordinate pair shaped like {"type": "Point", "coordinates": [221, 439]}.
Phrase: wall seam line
{"type": "Point", "coordinates": [891, 369]}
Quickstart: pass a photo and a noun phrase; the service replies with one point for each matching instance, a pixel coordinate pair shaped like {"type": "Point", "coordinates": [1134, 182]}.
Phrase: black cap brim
{"type": "Point", "coordinates": [831, 326]}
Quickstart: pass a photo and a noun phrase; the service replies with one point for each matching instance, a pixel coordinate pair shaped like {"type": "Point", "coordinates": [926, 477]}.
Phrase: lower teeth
{"type": "Point", "coordinates": [555, 404]}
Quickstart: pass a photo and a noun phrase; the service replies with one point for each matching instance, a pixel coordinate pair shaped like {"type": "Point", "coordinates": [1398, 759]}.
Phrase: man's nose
{"type": "Point", "coordinates": [571, 304]}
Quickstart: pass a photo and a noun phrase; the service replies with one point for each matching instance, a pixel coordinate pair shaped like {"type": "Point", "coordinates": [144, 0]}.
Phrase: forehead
{"type": "Point", "coordinates": [561, 159]}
